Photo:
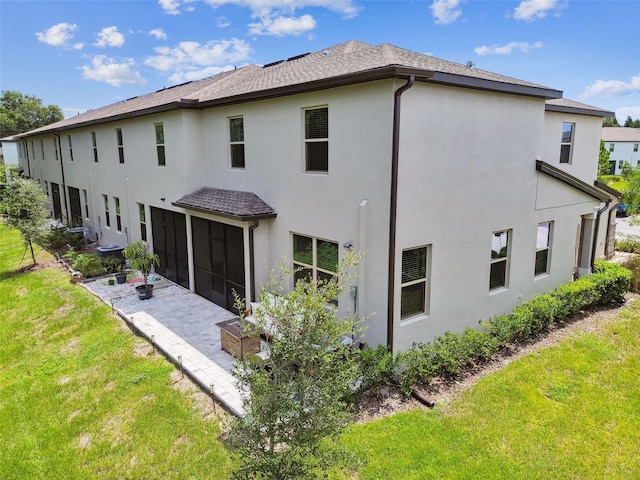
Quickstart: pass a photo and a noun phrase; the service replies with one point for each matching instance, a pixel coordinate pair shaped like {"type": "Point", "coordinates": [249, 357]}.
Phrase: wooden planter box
{"type": "Point", "coordinates": [235, 341]}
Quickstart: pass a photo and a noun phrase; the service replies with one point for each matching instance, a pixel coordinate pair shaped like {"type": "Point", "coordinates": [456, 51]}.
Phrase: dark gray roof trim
{"type": "Point", "coordinates": [564, 105]}
{"type": "Point", "coordinates": [572, 181]}
{"type": "Point", "coordinates": [495, 86]}
{"type": "Point", "coordinates": [607, 188]}
{"type": "Point", "coordinates": [227, 203]}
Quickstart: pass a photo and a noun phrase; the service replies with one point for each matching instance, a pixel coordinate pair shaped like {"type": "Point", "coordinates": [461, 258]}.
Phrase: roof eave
{"type": "Point", "coordinates": [572, 181]}
{"type": "Point", "coordinates": [578, 111]}
{"type": "Point", "coordinates": [495, 86]}
{"type": "Point", "coordinates": [242, 218]}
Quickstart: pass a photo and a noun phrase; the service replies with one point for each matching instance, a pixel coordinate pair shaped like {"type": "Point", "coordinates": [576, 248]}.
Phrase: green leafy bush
{"type": "Point", "coordinates": [57, 238]}
{"type": "Point", "coordinates": [629, 244]}
{"type": "Point", "coordinates": [633, 265]}
{"type": "Point", "coordinates": [377, 367]}
{"type": "Point", "coordinates": [88, 264]}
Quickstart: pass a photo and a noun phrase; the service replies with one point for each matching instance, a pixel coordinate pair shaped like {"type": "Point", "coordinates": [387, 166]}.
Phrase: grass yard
{"type": "Point", "coordinates": [76, 401]}
{"type": "Point", "coordinates": [81, 397]}
{"type": "Point", "coordinates": [571, 411]}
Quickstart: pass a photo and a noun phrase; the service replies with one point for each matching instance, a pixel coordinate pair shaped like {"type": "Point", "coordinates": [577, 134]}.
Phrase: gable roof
{"type": "Point", "coordinates": [343, 64]}
{"type": "Point", "coordinates": [621, 134]}
{"type": "Point", "coordinates": [564, 105]}
{"type": "Point", "coordinates": [226, 203]}
{"type": "Point", "coordinates": [564, 177]}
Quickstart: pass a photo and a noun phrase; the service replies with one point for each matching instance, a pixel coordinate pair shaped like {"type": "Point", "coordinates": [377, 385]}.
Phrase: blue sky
{"type": "Point", "coordinates": [84, 54]}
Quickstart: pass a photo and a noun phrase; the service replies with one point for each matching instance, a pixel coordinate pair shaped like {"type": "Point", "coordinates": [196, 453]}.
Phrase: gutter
{"type": "Point", "coordinates": [393, 207]}
{"type": "Point", "coordinates": [252, 260]}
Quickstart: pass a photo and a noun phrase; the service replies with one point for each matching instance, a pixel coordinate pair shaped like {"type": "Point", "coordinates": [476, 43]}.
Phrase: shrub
{"type": "Point", "coordinates": [417, 367]}
{"type": "Point", "coordinates": [633, 265]}
{"type": "Point", "coordinates": [56, 238]}
{"type": "Point", "coordinates": [613, 280]}
{"type": "Point", "coordinates": [88, 264]}
{"type": "Point", "coordinates": [377, 367]}
{"type": "Point", "coordinates": [629, 244]}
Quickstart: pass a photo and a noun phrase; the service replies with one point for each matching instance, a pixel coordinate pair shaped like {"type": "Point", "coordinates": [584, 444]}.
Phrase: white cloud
{"type": "Point", "coordinates": [158, 33]}
{"type": "Point", "coordinates": [280, 26]}
{"type": "Point", "coordinates": [187, 76]}
{"type": "Point", "coordinates": [105, 69]}
{"type": "Point", "coordinates": [507, 49]}
{"type": "Point", "coordinates": [530, 10]}
{"type": "Point", "coordinates": [78, 46]}
{"type": "Point", "coordinates": [624, 112]}
{"type": "Point", "coordinates": [611, 88]}
{"type": "Point", "coordinates": [109, 37]}
{"type": "Point", "coordinates": [59, 35]}
{"type": "Point", "coordinates": [445, 11]}
{"type": "Point", "coordinates": [222, 22]}
{"type": "Point", "coordinates": [172, 7]}
{"type": "Point", "coordinates": [191, 56]}
{"type": "Point", "coordinates": [262, 7]}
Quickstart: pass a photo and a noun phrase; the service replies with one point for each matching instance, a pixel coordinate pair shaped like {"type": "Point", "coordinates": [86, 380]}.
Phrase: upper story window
{"type": "Point", "coordinates": [55, 148]}
{"type": "Point", "coordinates": [94, 143]}
{"type": "Point", "coordinates": [314, 258]}
{"type": "Point", "coordinates": [635, 147]}
{"type": "Point", "coordinates": [70, 147]}
{"type": "Point", "coordinates": [160, 143]}
{"type": "Point", "coordinates": [612, 147]}
{"type": "Point", "coordinates": [33, 150]}
{"type": "Point", "coordinates": [120, 145]}
{"type": "Point", "coordinates": [107, 217]}
{"type": "Point", "coordinates": [42, 148]}
{"type": "Point", "coordinates": [566, 146]}
{"type": "Point", "coordinates": [413, 293]}
{"type": "Point", "coordinates": [543, 246]}
{"type": "Point", "coordinates": [498, 275]}
{"type": "Point", "coordinates": [236, 142]}
{"type": "Point", "coordinates": [316, 139]}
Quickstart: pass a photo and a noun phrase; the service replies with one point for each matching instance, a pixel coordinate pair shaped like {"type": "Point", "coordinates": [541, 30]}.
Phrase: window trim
{"type": "Point", "coordinates": [116, 201]}
{"type": "Point", "coordinates": [506, 260]}
{"type": "Point", "coordinates": [233, 143]}
{"type": "Point", "coordinates": [612, 147]}
{"type": "Point", "coordinates": [142, 216]}
{"type": "Point", "coordinates": [160, 146]}
{"type": "Point", "coordinates": [120, 142]}
{"type": "Point", "coordinates": [94, 142]}
{"type": "Point", "coordinates": [107, 217]}
{"type": "Point", "coordinates": [546, 248]}
{"type": "Point", "coordinates": [308, 141]}
{"type": "Point", "coordinates": [404, 286]}
{"type": "Point", "coordinates": [70, 147]}
{"type": "Point", "coordinates": [568, 143]}
{"type": "Point", "coordinates": [298, 264]}
{"type": "Point", "coordinates": [635, 147]}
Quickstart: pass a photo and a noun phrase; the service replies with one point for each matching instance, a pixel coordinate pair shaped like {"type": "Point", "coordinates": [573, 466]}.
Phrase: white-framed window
{"type": "Point", "coordinates": [316, 139]}
{"type": "Point", "coordinates": [143, 222]}
{"type": "Point", "coordinates": [42, 148]}
{"type": "Point", "coordinates": [86, 203]}
{"type": "Point", "coordinates": [566, 146]}
{"type": "Point", "coordinates": [314, 258]}
{"type": "Point", "coordinates": [55, 148]}
{"type": "Point", "coordinates": [107, 217]}
{"type": "Point", "coordinates": [70, 147]}
{"type": "Point", "coordinates": [159, 128]}
{"type": "Point", "coordinates": [499, 272]}
{"type": "Point", "coordinates": [33, 150]}
{"type": "Point", "coordinates": [620, 163]}
{"type": "Point", "coordinates": [612, 147]}
{"type": "Point", "coordinates": [236, 142]}
{"type": "Point", "coordinates": [116, 201]}
{"type": "Point", "coordinates": [414, 286]}
{"type": "Point", "coordinates": [635, 147]}
{"type": "Point", "coordinates": [94, 144]}
{"type": "Point", "coordinates": [543, 248]}
{"type": "Point", "coordinates": [120, 145]}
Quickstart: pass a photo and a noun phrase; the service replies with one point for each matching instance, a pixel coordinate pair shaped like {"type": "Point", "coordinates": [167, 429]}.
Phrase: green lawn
{"type": "Point", "coordinates": [76, 402]}
{"type": "Point", "coordinates": [567, 412]}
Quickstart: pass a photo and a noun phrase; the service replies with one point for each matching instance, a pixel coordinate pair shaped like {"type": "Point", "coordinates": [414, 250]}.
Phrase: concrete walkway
{"type": "Point", "coordinates": [183, 326]}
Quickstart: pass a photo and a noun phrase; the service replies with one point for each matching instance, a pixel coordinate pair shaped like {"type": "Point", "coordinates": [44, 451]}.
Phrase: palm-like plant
{"type": "Point", "coordinates": [141, 259]}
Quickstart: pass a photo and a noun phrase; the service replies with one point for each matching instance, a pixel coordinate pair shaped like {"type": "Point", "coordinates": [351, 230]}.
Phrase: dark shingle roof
{"type": "Point", "coordinates": [342, 64]}
{"type": "Point", "coordinates": [227, 203]}
{"type": "Point", "coordinates": [565, 105]}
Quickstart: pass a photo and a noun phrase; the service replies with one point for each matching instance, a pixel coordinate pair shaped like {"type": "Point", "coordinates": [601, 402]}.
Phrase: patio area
{"type": "Point", "coordinates": [183, 326]}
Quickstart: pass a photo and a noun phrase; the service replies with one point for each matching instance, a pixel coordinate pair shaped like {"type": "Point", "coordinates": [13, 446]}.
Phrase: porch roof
{"type": "Point", "coordinates": [234, 204]}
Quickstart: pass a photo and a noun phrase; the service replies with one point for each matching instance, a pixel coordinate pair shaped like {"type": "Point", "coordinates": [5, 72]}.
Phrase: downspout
{"type": "Point", "coordinates": [393, 206]}
{"type": "Point", "coordinates": [64, 184]}
{"type": "Point", "coordinates": [252, 260]}
{"type": "Point", "coordinates": [595, 234]}
{"type": "Point", "coordinates": [26, 149]}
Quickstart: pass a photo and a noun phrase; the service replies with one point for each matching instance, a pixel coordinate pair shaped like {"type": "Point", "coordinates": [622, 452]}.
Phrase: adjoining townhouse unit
{"type": "Point", "coordinates": [465, 190]}
{"type": "Point", "coordinates": [623, 144]}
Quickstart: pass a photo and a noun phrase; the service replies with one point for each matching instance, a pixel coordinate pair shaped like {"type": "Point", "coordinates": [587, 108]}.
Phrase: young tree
{"type": "Point", "coordinates": [20, 113]}
{"type": "Point", "coordinates": [610, 122]}
{"type": "Point", "coordinates": [26, 205]}
{"type": "Point", "coordinates": [296, 400]}
{"type": "Point", "coordinates": [603, 161]}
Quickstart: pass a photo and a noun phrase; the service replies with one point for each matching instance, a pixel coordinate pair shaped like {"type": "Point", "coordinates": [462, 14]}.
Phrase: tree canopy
{"type": "Point", "coordinates": [20, 113]}
{"type": "Point", "coordinates": [26, 206]}
{"type": "Point", "coordinates": [630, 122]}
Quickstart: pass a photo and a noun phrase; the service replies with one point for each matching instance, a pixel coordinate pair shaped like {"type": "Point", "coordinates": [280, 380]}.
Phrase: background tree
{"type": "Point", "coordinates": [603, 161]}
{"type": "Point", "coordinates": [26, 205]}
{"type": "Point", "coordinates": [20, 113]}
{"type": "Point", "coordinates": [296, 401]}
{"type": "Point", "coordinates": [630, 122]}
{"type": "Point", "coordinates": [610, 122]}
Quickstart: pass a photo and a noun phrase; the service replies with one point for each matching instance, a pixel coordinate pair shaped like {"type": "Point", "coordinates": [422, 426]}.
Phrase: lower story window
{"type": "Point", "coordinates": [314, 259]}
{"type": "Point", "coordinates": [143, 222]}
{"type": "Point", "coordinates": [543, 245]}
{"type": "Point", "coordinates": [413, 296]}
{"type": "Point", "coordinates": [498, 275]}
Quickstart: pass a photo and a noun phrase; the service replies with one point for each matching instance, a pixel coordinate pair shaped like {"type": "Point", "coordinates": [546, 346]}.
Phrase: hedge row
{"type": "Point", "coordinates": [448, 355]}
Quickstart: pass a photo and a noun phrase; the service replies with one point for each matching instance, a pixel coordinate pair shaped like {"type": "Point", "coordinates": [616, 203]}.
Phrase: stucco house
{"type": "Point", "coordinates": [467, 191]}
{"type": "Point", "coordinates": [623, 144]}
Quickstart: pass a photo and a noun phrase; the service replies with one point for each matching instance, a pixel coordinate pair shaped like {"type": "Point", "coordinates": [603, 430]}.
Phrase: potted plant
{"type": "Point", "coordinates": [142, 259]}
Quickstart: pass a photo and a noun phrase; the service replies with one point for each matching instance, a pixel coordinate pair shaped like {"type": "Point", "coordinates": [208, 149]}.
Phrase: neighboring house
{"type": "Point", "coordinates": [9, 154]}
{"type": "Point", "coordinates": [623, 144]}
{"type": "Point", "coordinates": [466, 191]}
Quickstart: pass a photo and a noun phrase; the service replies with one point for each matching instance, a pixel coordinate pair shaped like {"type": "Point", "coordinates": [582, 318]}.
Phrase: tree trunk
{"type": "Point", "coordinates": [33, 255]}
